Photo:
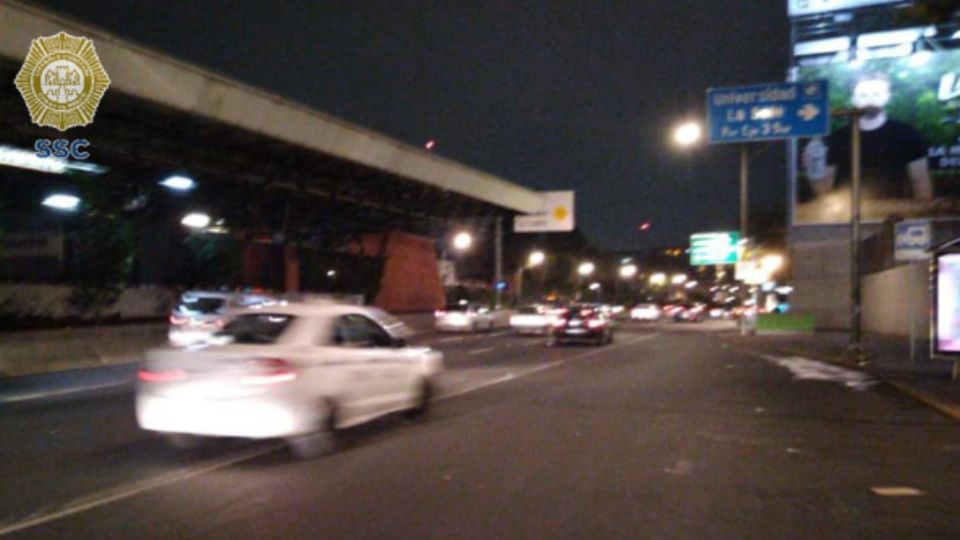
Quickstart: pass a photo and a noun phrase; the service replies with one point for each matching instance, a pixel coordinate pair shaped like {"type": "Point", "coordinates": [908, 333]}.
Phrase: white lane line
{"type": "Point", "coordinates": [131, 490]}
{"type": "Point", "coordinates": [451, 339]}
{"type": "Point", "coordinates": [481, 351]}
{"type": "Point", "coordinates": [511, 376]}
{"type": "Point", "coordinates": [62, 392]}
{"type": "Point", "coordinates": [897, 491]}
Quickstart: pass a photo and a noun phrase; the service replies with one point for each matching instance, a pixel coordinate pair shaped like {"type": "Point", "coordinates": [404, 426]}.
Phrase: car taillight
{"type": "Point", "coordinates": [271, 371]}
{"type": "Point", "coordinates": [178, 321]}
{"type": "Point", "coordinates": [147, 375]}
{"type": "Point", "coordinates": [595, 323]}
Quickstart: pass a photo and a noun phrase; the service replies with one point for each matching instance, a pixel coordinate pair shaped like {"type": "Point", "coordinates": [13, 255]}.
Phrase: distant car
{"type": "Point", "coordinates": [297, 372]}
{"type": "Point", "coordinates": [645, 312]}
{"type": "Point", "coordinates": [691, 313]}
{"type": "Point", "coordinates": [530, 320]}
{"type": "Point", "coordinates": [719, 313]}
{"type": "Point", "coordinates": [199, 314]}
{"type": "Point", "coordinates": [579, 324]}
{"type": "Point", "coordinates": [464, 318]}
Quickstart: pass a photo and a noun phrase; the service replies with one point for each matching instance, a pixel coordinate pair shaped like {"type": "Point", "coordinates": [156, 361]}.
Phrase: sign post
{"type": "Point", "coordinates": [765, 112]}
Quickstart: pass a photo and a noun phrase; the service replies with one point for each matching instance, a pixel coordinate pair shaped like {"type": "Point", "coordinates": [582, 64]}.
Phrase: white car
{"type": "Point", "coordinates": [530, 320]}
{"type": "Point", "coordinates": [297, 372]}
{"type": "Point", "coordinates": [645, 312]}
{"type": "Point", "coordinates": [464, 318]}
{"type": "Point", "coordinates": [199, 314]}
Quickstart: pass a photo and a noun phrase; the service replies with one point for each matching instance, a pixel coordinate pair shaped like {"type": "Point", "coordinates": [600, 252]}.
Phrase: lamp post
{"type": "Point", "coordinates": [535, 258]}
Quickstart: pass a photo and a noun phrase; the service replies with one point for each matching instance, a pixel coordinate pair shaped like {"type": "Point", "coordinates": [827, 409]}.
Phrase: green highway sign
{"type": "Point", "coordinates": [708, 249]}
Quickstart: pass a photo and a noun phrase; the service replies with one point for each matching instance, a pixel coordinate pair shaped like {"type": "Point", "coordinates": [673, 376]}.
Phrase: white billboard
{"type": "Point", "coordinates": [796, 8]}
{"type": "Point", "coordinates": [555, 214]}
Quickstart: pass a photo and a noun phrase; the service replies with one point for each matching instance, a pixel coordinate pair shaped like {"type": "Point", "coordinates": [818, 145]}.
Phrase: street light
{"type": "Point", "coordinates": [536, 258]}
{"type": "Point", "coordinates": [628, 271]}
{"type": "Point", "coordinates": [678, 279]}
{"type": "Point", "coordinates": [687, 133]}
{"type": "Point", "coordinates": [771, 263]}
{"type": "Point", "coordinates": [62, 201]}
{"type": "Point", "coordinates": [586, 268]}
{"type": "Point", "coordinates": [196, 220]}
{"type": "Point", "coordinates": [462, 241]}
{"type": "Point", "coordinates": [178, 183]}
{"type": "Point", "coordinates": [658, 278]}
{"type": "Point", "coordinates": [595, 286]}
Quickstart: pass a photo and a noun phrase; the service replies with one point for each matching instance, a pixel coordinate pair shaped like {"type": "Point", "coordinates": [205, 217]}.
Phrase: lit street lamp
{"type": "Point", "coordinates": [62, 201]}
{"type": "Point", "coordinates": [678, 279]}
{"type": "Point", "coordinates": [196, 220]}
{"type": "Point", "coordinates": [687, 134]}
{"type": "Point", "coordinates": [628, 271]}
{"type": "Point", "coordinates": [462, 241]}
{"type": "Point", "coordinates": [536, 258]}
{"type": "Point", "coordinates": [586, 268]}
{"type": "Point", "coordinates": [658, 279]}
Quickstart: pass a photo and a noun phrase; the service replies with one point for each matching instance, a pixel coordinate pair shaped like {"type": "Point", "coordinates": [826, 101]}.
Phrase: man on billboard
{"type": "Point", "coordinates": [893, 154]}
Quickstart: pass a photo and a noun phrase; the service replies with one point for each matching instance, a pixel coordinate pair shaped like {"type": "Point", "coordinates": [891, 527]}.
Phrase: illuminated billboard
{"type": "Point", "coordinates": [910, 148]}
{"type": "Point", "coordinates": [796, 8]}
{"type": "Point", "coordinates": [947, 304]}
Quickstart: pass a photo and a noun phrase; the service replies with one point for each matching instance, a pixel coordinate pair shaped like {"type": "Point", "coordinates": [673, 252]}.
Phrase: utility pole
{"type": "Point", "coordinates": [498, 260]}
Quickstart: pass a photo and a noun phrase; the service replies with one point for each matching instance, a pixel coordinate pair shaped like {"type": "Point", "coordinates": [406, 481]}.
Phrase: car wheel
{"type": "Point", "coordinates": [322, 442]}
{"type": "Point", "coordinates": [421, 407]}
{"type": "Point", "coordinates": [184, 441]}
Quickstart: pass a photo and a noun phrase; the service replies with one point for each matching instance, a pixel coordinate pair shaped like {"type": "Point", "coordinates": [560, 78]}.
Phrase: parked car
{"type": "Point", "coordinates": [298, 372]}
{"type": "Point", "coordinates": [645, 312]}
{"type": "Point", "coordinates": [199, 314]}
{"type": "Point", "coordinates": [579, 324]}
{"type": "Point", "coordinates": [464, 317]}
{"type": "Point", "coordinates": [530, 320]}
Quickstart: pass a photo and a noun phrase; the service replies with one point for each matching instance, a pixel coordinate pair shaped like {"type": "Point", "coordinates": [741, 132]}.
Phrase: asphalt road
{"type": "Point", "coordinates": [668, 433]}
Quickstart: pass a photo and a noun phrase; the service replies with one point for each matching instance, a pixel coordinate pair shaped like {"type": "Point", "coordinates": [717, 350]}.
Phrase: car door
{"type": "Point", "coordinates": [393, 365]}
{"type": "Point", "coordinates": [362, 385]}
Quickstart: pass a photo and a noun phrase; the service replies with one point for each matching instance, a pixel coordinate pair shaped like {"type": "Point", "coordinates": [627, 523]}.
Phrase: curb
{"type": "Point", "coordinates": [945, 408]}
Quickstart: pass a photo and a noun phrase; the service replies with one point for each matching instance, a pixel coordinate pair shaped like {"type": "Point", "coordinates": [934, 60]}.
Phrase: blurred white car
{"type": "Point", "coordinates": [530, 320]}
{"type": "Point", "coordinates": [297, 372]}
{"type": "Point", "coordinates": [645, 312]}
{"type": "Point", "coordinates": [464, 317]}
{"type": "Point", "coordinates": [199, 314]}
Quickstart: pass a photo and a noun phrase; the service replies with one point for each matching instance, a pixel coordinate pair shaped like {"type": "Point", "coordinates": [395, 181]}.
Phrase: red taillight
{"type": "Point", "coordinates": [178, 321]}
{"type": "Point", "coordinates": [273, 371]}
{"type": "Point", "coordinates": [161, 376]}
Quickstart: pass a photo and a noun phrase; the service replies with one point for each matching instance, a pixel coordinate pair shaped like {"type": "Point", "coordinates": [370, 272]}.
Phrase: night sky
{"type": "Point", "coordinates": [555, 94]}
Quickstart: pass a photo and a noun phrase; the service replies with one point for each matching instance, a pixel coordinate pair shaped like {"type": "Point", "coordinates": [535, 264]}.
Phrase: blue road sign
{"type": "Point", "coordinates": [765, 112]}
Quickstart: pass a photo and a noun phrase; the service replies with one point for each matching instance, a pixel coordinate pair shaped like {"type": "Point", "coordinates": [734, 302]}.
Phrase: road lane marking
{"type": "Point", "coordinates": [131, 490]}
{"type": "Point", "coordinates": [897, 491]}
{"type": "Point", "coordinates": [481, 351]}
{"type": "Point", "coordinates": [15, 398]}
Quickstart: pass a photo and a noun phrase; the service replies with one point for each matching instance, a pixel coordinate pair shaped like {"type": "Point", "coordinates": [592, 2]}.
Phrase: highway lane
{"type": "Point", "coordinates": [667, 434]}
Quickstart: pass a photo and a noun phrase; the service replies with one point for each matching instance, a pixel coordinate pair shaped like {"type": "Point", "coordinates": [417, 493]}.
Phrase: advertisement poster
{"type": "Point", "coordinates": [910, 148]}
{"type": "Point", "coordinates": [948, 304]}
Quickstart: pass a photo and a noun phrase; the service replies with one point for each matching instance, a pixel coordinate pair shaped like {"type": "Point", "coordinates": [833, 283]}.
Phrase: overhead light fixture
{"type": "Point", "coordinates": [26, 159]}
{"type": "Point", "coordinates": [62, 201]}
{"type": "Point", "coordinates": [179, 183]}
{"type": "Point", "coordinates": [196, 220]}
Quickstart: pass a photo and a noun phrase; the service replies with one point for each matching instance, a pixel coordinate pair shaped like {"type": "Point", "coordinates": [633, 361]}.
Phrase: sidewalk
{"type": "Point", "coordinates": [889, 358]}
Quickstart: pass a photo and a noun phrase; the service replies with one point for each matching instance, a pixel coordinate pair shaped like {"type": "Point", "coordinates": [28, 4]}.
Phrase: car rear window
{"type": "Point", "coordinates": [259, 328]}
{"type": "Point", "coordinates": [202, 304]}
